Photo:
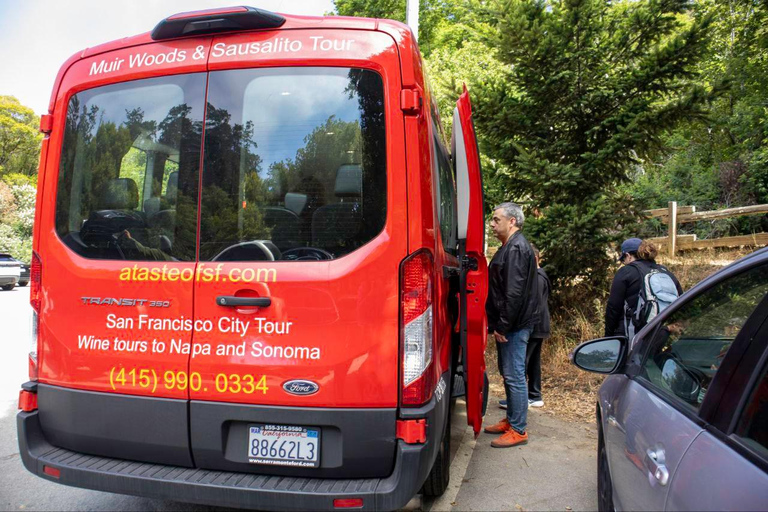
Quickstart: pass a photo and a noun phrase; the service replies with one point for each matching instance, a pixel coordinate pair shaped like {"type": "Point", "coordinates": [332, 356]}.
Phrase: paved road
{"type": "Point", "coordinates": [555, 471]}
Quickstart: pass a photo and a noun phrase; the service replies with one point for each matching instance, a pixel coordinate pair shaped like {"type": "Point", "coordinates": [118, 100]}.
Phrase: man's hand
{"type": "Point", "coordinates": [499, 337]}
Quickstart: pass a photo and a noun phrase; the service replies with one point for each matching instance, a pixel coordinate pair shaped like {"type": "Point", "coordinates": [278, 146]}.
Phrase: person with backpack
{"type": "Point", "coordinates": [640, 290]}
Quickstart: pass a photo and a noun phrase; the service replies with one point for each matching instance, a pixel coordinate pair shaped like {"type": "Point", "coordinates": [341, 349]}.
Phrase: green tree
{"type": "Point", "coordinates": [442, 23]}
{"type": "Point", "coordinates": [19, 138]}
{"type": "Point", "coordinates": [720, 161]}
{"type": "Point", "coordinates": [591, 87]}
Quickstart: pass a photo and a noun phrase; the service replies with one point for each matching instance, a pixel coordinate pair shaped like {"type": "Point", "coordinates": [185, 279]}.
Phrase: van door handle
{"type": "Point", "coordinates": [655, 463]}
{"type": "Point", "coordinates": [232, 302]}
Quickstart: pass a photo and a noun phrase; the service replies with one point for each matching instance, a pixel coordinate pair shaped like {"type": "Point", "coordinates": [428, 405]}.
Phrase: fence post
{"type": "Point", "coordinates": [672, 227]}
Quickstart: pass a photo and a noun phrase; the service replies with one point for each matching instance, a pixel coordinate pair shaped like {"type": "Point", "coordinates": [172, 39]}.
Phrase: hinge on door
{"type": "Point", "coordinates": [449, 272]}
{"type": "Point", "coordinates": [46, 123]}
{"type": "Point", "coordinates": [468, 263]}
{"type": "Point", "coordinates": [410, 101]}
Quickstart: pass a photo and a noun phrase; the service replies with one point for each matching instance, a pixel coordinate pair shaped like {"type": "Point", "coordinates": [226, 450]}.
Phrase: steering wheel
{"type": "Point", "coordinates": [306, 254]}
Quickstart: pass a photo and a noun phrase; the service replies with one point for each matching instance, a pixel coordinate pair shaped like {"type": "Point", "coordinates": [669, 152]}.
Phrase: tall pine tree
{"type": "Point", "coordinates": [591, 86]}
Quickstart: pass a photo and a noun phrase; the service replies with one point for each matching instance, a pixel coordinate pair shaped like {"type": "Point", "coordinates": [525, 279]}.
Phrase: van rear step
{"type": "Point", "coordinates": [459, 386]}
{"type": "Point", "coordinates": [221, 488]}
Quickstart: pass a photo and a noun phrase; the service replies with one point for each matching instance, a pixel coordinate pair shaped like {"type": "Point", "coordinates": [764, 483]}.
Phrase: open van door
{"type": "Point", "coordinates": [474, 268]}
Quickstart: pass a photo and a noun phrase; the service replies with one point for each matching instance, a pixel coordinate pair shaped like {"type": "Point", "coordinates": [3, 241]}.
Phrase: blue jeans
{"type": "Point", "coordinates": [512, 368]}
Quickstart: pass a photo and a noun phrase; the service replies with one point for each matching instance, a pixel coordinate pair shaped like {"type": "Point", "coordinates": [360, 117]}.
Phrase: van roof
{"type": "Point", "coordinates": [400, 31]}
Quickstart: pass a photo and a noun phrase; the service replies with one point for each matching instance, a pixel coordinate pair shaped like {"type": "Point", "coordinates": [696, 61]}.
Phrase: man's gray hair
{"type": "Point", "coordinates": [512, 211]}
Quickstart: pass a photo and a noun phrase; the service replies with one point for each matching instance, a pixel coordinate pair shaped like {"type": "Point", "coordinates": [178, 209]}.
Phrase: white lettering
{"type": "Point", "coordinates": [264, 326]}
{"type": "Point", "coordinates": [218, 50]}
{"type": "Point", "coordinates": [258, 349]}
{"type": "Point", "coordinates": [92, 343]}
{"type": "Point", "coordinates": [116, 322]}
{"type": "Point", "coordinates": [179, 347]}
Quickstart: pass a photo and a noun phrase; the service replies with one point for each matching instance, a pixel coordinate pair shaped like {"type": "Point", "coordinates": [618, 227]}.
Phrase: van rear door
{"type": "Point", "coordinates": [118, 249]}
{"type": "Point", "coordinates": [301, 236]}
{"type": "Point", "coordinates": [474, 269]}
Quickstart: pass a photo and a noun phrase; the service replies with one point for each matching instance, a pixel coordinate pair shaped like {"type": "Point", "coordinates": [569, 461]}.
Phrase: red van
{"type": "Point", "coordinates": [258, 274]}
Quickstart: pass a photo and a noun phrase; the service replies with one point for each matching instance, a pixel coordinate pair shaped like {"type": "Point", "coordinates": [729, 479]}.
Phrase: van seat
{"type": "Point", "coordinates": [119, 194]}
{"type": "Point", "coordinates": [336, 226]}
{"type": "Point", "coordinates": [284, 225]}
{"type": "Point", "coordinates": [295, 202]}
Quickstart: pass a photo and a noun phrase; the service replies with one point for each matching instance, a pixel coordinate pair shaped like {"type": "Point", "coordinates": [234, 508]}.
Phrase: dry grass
{"type": "Point", "coordinates": [569, 392]}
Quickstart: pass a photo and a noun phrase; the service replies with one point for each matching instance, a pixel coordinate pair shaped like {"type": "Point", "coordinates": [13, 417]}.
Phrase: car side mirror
{"type": "Point", "coordinates": [603, 355]}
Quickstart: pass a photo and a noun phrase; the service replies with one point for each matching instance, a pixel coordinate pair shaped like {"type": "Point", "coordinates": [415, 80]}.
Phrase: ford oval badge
{"type": "Point", "coordinates": [301, 387]}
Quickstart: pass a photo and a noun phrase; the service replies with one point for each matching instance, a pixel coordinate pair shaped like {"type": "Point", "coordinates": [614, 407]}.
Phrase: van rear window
{"type": "Point", "coordinates": [294, 165]}
{"type": "Point", "coordinates": [128, 175]}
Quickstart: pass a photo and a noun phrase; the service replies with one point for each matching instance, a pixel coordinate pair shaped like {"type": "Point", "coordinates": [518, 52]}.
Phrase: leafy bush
{"type": "Point", "coordinates": [17, 216]}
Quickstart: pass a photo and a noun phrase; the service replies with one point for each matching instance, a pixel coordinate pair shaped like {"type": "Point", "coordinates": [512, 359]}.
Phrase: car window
{"type": "Point", "coordinates": [752, 427]}
{"type": "Point", "coordinates": [687, 350]}
{"type": "Point", "coordinates": [295, 164]}
{"type": "Point", "coordinates": [128, 176]}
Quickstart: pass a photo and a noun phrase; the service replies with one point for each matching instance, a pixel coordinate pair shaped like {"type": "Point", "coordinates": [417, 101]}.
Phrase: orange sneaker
{"type": "Point", "coordinates": [498, 428]}
{"type": "Point", "coordinates": [510, 438]}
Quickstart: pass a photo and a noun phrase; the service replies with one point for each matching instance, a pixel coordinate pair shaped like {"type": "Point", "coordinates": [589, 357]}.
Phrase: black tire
{"type": "Point", "coordinates": [604, 484]}
{"type": "Point", "coordinates": [23, 283]}
{"type": "Point", "coordinates": [8, 287]}
{"type": "Point", "coordinates": [439, 476]}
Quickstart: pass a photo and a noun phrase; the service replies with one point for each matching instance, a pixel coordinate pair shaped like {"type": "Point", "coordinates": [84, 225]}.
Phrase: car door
{"type": "Point", "coordinates": [665, 402]}
{"type": "Point", "coordinates": [726, 467]}
{"type": "Point", "coordinates": [474, 269]}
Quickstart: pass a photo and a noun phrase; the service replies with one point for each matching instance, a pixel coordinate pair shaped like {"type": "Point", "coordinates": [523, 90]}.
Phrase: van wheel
{"type": "Point", "coordinates": [437, 480]}
{"type": "Point", "coordinates": [8, 287]}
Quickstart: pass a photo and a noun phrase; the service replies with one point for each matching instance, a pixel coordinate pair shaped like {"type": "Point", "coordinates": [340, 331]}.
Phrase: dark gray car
{"type": "Point", "coordinates": [683, 417]}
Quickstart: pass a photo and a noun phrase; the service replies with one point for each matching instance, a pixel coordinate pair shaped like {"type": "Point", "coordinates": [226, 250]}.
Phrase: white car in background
{"type": "Point", "coordinates": [10, 271]}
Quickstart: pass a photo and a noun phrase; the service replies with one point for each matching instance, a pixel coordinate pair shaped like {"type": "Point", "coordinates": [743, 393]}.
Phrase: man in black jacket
{"type": "Point", "coordinates": [512, 312]}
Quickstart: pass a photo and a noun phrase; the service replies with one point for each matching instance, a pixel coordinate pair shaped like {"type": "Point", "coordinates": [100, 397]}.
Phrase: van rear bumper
{"type": "Point", "coordinates": [226, 488]}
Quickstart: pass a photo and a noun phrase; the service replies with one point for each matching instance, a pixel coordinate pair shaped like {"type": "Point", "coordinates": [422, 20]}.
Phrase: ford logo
{"type": "Point", "coordinates": [301, 387]}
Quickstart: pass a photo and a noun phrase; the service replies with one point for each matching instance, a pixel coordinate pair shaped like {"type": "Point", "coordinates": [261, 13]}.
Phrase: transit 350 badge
{"type": "Point", "coordinates": [301, 387]}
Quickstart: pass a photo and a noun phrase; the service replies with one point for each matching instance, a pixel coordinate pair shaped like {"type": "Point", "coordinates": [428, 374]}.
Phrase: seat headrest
{"type": "Point", "coordinates": [172, 188]}
{"type": "Point", "coordinates": [119, 194]}
{"type": "Point", "coordinates": [152, 205]}
{"type": "Point", "coordinates": [349, 181]}
{"type": "Point", "coordinates": [295, 202]}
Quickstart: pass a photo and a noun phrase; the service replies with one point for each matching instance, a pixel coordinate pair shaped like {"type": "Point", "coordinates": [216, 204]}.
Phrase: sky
{"type": "Point", "coordinates": [37, 36]}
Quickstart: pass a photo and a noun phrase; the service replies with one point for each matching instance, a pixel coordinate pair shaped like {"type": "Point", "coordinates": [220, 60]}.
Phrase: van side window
{"type": "Point", "coordinates": [128, 176]}
{"type": "Point", "coordinates": [446, 190]}
{"type": "Point", "coordinates": [295, 164]}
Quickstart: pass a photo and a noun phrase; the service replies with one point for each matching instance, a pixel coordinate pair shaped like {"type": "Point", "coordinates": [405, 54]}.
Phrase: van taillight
{"type": "Point", "coordinates": [35, 300]}
{"type": "Point", "coordinates": [416, 349]}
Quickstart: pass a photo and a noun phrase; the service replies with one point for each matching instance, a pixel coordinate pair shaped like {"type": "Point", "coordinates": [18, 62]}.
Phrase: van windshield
{"type": "Point", "coordinates": [294, 165]}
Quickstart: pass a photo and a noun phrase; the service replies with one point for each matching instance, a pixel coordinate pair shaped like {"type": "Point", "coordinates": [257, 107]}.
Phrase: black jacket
{"type": "Point", "coordinates": [541, 329]}
{"type": "Point", "coordinates": [626, 288]}
{"type": "Point", "coordinates": [512, 287]}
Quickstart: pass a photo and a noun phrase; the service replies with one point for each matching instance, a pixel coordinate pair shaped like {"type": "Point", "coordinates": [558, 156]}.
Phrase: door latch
{"type": "Point", "coordinates": [656, 464]}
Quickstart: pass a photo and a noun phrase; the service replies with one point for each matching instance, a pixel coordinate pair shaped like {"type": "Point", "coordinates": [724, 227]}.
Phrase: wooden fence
{"type": "Point", "coordinates": [674, 215]}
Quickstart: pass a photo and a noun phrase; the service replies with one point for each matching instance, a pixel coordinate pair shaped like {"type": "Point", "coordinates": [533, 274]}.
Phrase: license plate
{"type": "Point", "coordinates": [284, 445]}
